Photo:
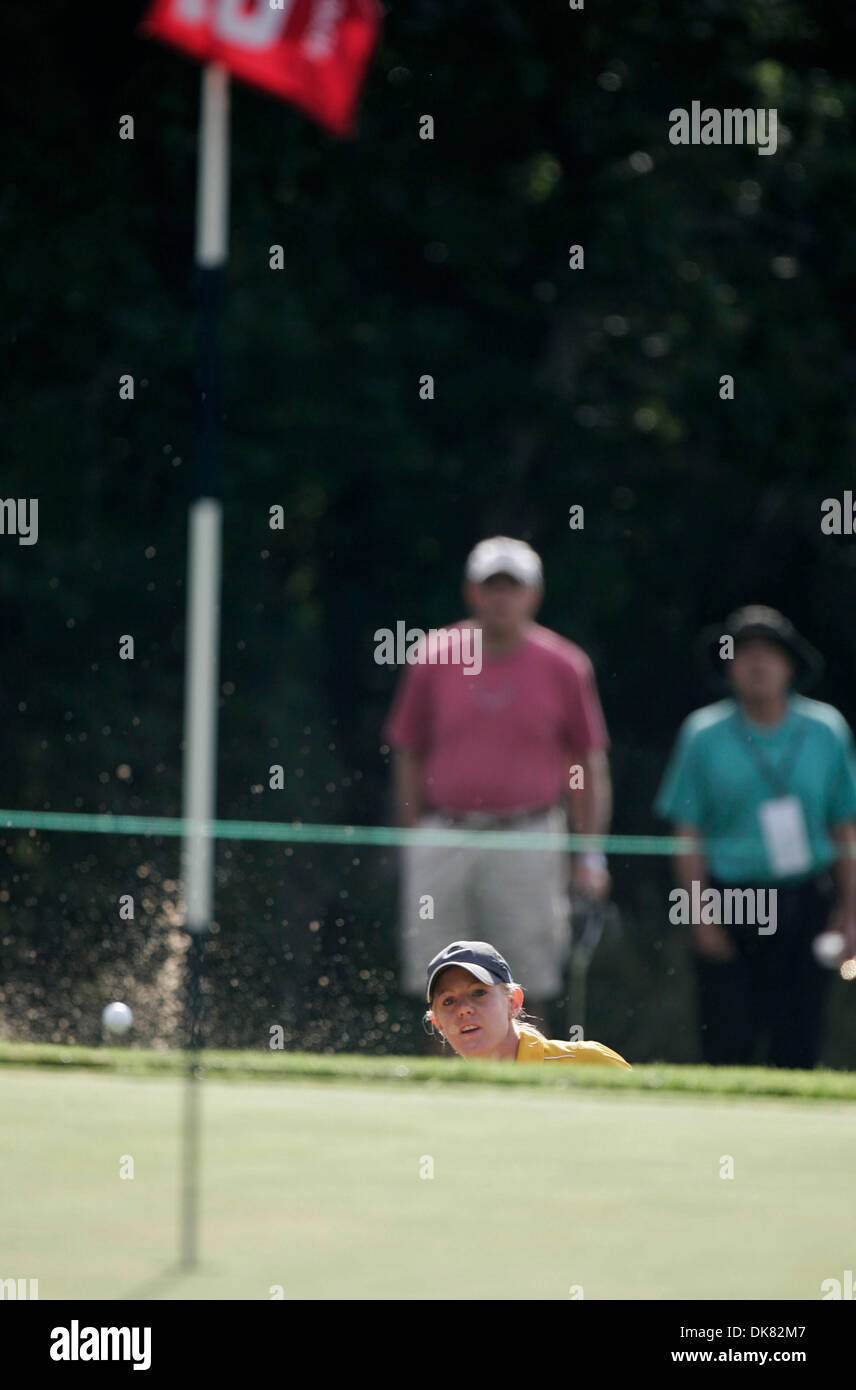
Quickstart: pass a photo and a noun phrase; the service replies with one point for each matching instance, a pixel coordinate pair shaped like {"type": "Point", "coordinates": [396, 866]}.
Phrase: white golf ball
{"type": "Point", "coordinates": [828, 948]}
{"type": "Point", "coordinates": [117, 1018]}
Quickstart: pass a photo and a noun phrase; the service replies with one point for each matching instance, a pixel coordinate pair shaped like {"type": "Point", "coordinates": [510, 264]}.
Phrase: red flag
{"type": "Point", "coordinates": [313, 53]}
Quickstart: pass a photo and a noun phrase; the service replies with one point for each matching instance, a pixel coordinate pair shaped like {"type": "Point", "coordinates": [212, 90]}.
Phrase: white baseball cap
{"type": "Point", "coordinates": [503, 555]}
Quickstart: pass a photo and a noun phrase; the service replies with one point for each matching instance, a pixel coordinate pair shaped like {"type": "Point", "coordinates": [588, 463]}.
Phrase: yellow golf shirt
{"type": "Point", "coordinates": [532, 1047]}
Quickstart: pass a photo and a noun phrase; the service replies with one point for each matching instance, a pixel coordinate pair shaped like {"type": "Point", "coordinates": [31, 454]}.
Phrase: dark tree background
{"type": "Point", "coordinates": [554, 387]}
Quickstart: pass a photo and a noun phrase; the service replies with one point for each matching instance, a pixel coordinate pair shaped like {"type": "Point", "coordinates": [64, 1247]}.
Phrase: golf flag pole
{"type": "Point", "coordinates": [199, 790]}
{"type": "Point", "coordinates": [314, 55]}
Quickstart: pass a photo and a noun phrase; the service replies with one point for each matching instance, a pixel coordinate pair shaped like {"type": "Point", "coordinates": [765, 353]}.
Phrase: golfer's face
{"type": "Point", "coordinates": [760, 669]}
{"type": "Point", "coordinates": [501, 604]}
{"type": "Point", "coordinates": [473, 1017]}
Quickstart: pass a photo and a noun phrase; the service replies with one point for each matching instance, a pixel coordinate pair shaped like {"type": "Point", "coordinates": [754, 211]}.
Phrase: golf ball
{"type": "Point", "coordinates": [828, 948]}
{"type": "Point", "coordinates": [117, 1018]}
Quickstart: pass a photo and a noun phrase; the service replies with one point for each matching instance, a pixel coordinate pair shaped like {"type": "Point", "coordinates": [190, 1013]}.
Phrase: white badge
{"type": "Point", "coordinates": [785, 835]}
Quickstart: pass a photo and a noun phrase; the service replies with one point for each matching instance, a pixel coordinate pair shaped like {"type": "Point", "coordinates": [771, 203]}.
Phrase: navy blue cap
{"type": "Point", "coordinates": [478, 957]}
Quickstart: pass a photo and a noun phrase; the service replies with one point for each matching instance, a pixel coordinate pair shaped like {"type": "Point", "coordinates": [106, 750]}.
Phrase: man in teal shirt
{"type": "Point", "coordinates": [763, 788]}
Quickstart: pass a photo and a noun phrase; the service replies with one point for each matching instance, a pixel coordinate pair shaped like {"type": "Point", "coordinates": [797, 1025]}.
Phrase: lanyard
{"type": "Point", "coordinates": [775, 777]}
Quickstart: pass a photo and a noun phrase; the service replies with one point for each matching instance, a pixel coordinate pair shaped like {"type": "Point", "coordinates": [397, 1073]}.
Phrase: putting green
{"type": "Point", "coordinates": [316, 1188]}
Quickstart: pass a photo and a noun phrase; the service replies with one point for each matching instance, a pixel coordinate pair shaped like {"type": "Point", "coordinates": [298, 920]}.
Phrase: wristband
{"type": "Point", "coordinates": [593, 861]}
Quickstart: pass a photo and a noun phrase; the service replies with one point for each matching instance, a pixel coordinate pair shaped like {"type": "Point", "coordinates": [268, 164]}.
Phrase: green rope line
{"type": "Point", "coordinates": [296, 832]}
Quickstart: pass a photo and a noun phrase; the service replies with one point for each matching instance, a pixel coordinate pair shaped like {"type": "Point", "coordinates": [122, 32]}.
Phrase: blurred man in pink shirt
{"type": "Point", "coordinates": [492, 747]}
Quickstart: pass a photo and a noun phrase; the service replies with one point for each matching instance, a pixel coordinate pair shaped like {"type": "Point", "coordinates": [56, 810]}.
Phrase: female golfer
{"type": "Point", "coordinates": [475, 1005]}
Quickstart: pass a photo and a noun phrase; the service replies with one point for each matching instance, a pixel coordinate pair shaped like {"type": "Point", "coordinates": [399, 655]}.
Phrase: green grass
{"type": "Point", "coordinates": [279, 1066]}
{"type": "Point", "coordinates": [314, 1184]}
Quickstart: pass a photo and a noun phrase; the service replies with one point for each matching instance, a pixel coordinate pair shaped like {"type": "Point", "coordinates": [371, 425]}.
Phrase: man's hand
{"type": "Point", "coordinates": [691, 868]}
{"type": "Point", "coordinates": [407, 781]}
{"type": "Point", "coordinates": [843, 916]}
{"type": "Point", "coordinates": [590, 878]}
{"type": "Point", "coordinates": [844, 921]}
{"type": "Point", "coordinates": [589, 812]}
{"type": "Point", "coordinates": [713, 943]}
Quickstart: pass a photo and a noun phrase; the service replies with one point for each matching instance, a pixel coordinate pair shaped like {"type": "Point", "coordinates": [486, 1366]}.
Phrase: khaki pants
{"type": "Point", "coordinates": [516, 899]}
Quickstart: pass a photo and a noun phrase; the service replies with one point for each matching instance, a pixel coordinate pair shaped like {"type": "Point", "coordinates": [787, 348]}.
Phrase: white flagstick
{"type": "Point", "coordinates": [212, 173]}
{"type": "Point", "coordinates": [199, 779]}
{"type": "Point", "coordinates": [200, 708]}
